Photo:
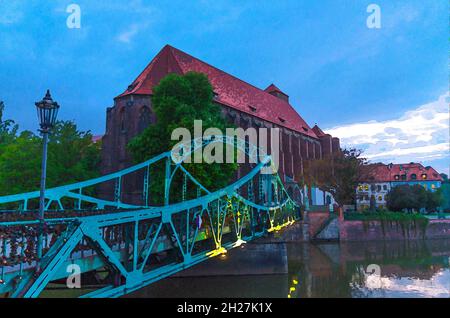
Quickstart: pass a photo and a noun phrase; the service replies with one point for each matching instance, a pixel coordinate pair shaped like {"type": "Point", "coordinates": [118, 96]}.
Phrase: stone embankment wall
{"type": "Point", "coordinates": [253, 258]}
{"type": "Point", "coordinates": [316, 221]}
{"type": "Point", "coordinates": [376, 230]}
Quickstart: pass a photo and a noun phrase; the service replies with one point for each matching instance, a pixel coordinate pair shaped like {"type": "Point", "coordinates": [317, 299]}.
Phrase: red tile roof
{"type": "Point", "coordinates": [388, 173]}
{"type": "Point", "coordinates": [230, 90]}
{"type": "Point", "coordinates": [377, 172]}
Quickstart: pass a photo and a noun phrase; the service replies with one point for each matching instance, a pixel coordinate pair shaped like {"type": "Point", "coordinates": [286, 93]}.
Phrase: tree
{"type": "Point", "coordinates": [415, 197]}
{"type": "Point", "coordinates": [72, 157]}
{"type": "Point", "coordinates": [8, 129]}
{"type": "Point", "coordinates": [177, 101]}
{"type": "Point", "coordinates": [338, 174]}
{"type": "Point", "coordinates": [434, 200]}
{"type": "Point", "coordinates": [373, 203]}
{"type": "Point", "coordinates": [20, 164]}
{"type": "Point", "coordinates": [400, 198]}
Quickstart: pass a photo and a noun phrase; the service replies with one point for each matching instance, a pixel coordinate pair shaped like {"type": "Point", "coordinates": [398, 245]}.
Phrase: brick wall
{"type": "Point", "coordinates": [360, 231]}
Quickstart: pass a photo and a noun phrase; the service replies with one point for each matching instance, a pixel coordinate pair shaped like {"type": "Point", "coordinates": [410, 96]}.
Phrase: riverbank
{"type": "Point", "coordinates": [323, 226]}
{"type": "Point", "coordinates": [385, 230]}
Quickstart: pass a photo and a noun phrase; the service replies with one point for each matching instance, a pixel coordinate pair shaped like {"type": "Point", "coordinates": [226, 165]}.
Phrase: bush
{"type": "Point", "coordinates": [410, 198]}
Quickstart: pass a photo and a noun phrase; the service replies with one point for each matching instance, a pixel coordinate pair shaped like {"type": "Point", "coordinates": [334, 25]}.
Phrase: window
{"type": "Point", "coordinates": [424, 176]}
{"type": "Point", "coordinates": [144, 118]}
{"type": "Point", "coordinates": [396, 177]}
{"type": "Point", "coordinates": [366, 187]}
{"type": "Point", "coordinates": [378, 188]}
{"type": "Point", "coordinates": [122, 120]}
{"type": "Point", "coordinates": [384, 187]}
{"type": "Point", "coordinates": [372, 187]}
{"type": "Point", "coordinates": [380, 198]}
{"type": "Point", "coordinates": [413, 176]}
{"type": "Point", "coordinates": [403, 176]}
{"type": "Point", "coordinates": [132, 86]}
{"type": "Point", "coordinates": [433, 186]}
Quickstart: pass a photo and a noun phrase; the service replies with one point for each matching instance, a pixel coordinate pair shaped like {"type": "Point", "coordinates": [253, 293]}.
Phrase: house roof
{"type": "Point", "coordinates": [418, 169]}
{"type": "Point", "coordinates": [393, 172]}
{"type": "Point", "coordinates": [231, 91]}
{"type": "Point", "coordinates": [377, 172]}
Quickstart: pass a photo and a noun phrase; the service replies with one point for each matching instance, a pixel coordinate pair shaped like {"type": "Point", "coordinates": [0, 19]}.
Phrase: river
{"type": "Point", "coordinates": [354, 270]}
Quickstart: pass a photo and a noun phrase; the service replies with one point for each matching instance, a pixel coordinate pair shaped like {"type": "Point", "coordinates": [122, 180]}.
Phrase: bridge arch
{"type": "Point", "coordinates": [195, 229]}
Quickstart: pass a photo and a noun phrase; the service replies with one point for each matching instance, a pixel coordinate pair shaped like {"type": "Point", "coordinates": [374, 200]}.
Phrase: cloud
{"type": "Point", "coordinates": [127, 35]}
{"type": "Point", "coordinates": [421, 134]}
{"type": "Point", "coordinates": [144, 16]}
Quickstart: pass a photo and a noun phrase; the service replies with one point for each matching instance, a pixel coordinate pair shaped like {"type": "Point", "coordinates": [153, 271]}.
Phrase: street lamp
{"type": "Point", "coordinates": [47, 110]}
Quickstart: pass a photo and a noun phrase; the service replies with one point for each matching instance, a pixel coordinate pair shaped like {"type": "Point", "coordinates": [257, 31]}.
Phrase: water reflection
{"type": "Point", "coordinates": [373, 269]}
{"type": "Point", "coordinates": [369, 269]}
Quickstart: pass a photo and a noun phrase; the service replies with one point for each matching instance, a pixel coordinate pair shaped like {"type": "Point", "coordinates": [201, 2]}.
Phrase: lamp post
{"type": "Point", "coordinates": [47, 110]}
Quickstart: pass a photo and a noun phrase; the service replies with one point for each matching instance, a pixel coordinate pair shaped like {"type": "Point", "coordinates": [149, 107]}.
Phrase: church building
{"type": "Point", "coordinates": [242, 104]}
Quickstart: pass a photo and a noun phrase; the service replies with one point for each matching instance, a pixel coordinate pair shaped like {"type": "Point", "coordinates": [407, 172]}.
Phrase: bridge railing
{"type": "Point", "coordinates": [139, 245]}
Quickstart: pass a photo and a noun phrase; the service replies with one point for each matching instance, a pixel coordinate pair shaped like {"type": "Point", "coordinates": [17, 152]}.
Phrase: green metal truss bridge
{"type": "Point", "coordinates": [124, 247]}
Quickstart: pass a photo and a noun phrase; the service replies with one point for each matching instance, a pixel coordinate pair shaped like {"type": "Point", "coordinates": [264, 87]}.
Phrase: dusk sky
{"type": "Point", "coordinates": [382, 90]}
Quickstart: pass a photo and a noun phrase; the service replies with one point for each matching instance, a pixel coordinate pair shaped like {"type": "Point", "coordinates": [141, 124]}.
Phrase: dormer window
{"type": "Point", "coordinates": [413, 176]}
{"type": "Point", "coordinates": [424, 176]}
{"type": "Point", "coordinates": [305, 129]}
{"type": "Point", "coordinates": [253, 109]}
{"type": "Point", "coordinates": [397, 177]}
{"type": "Point", "coordinates": [132, 86]}
{"type": "Point", "coordinates": [282, 119]}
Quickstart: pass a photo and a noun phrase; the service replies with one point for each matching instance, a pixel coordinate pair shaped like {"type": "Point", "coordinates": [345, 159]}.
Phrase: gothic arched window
{"type": "Point", "coordinates": [122, 119]}
{"type": "Point", "coordinates": [145, 118]}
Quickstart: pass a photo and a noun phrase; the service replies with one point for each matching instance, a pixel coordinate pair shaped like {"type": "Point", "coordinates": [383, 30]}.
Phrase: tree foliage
{"type": "Point", "coordinates": [338, 174]}
{"type": "Point", "coordinates": [8, 128]}
{"type": "Point", "coordinates": [72, 157]}
{"type": "Point", "coordinates": [177, 101]}
{"type": "Point", "coordinates": [415, 197]}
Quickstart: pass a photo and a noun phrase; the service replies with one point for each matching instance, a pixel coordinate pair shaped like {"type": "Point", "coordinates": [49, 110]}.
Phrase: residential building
{"type": "Point", "coordinates": [380, 178]}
